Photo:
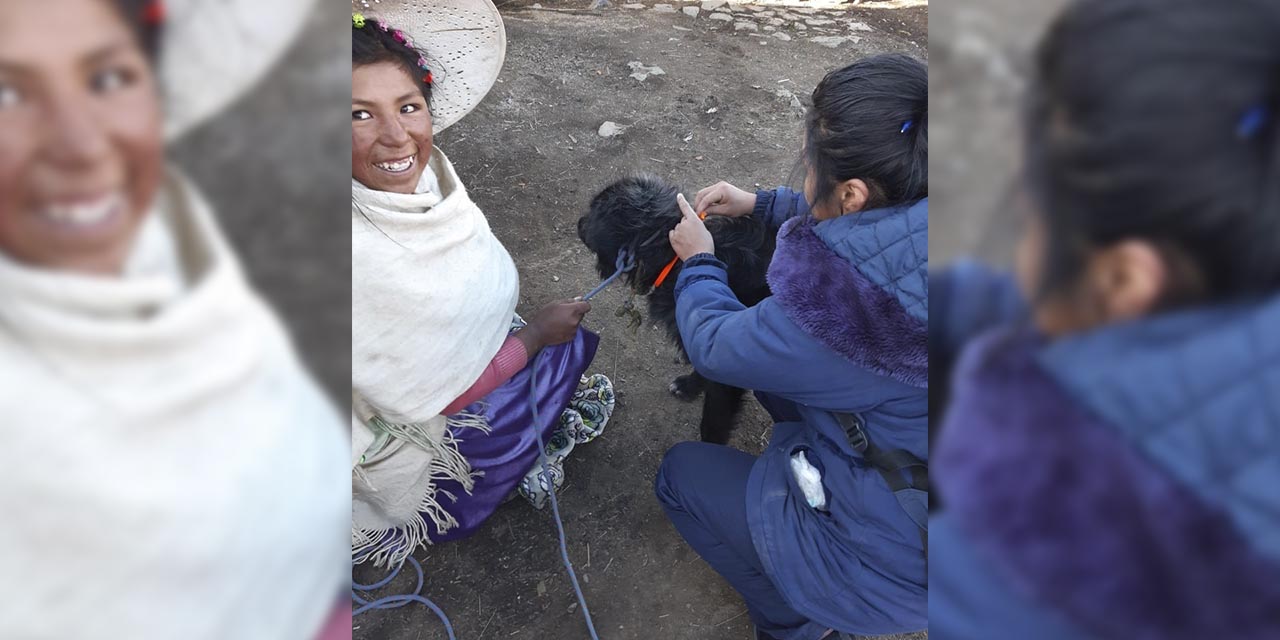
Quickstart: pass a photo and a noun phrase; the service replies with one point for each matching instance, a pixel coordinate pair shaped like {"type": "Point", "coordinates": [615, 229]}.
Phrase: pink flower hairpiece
{"type": "Point", "coordinates": [153, 15]}
{"type": "Point", "coordinates": [358, 20]}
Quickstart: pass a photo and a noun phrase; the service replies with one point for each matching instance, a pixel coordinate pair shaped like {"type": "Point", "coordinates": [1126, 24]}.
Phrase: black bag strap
{"type": "Point", "coordinates": [891, 464]}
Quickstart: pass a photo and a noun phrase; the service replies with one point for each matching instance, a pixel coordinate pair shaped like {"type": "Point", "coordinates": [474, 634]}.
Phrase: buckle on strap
{"type": "Point", "coordinates": [854, 429]}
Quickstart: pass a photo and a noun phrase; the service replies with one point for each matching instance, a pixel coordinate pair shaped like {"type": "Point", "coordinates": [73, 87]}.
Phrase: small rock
{"type": "Point", "coordinates": [757, 8]}
{"type": "Point", "coordinates": [765, 14]}
{"type": "Point", "coordinates": [555, 278]}
{"type": "Point", "coordinates": [712, 5]}
{"type": "Point", "coordinates": [745, 26]}
{"type": "Point", "coordinates": [816, 22]}
{"type": "Point", "coordinates": [790, 97]}
{"type": "Point", "coordinates": [800, 26]}
{"type": "Point", "coordinates": [782, 36]}
{"type": "Point", "coordinates": [769, 27]}
{"type": "Point", "coordinates": [664, 8]}
{"type": "Point", "coordinates": [858, 26]}
{"type": "Point", "coordinates": [723, 17]}
{"type": "Point", "coordinates": [777, 22]}
{"type": "Point", "coordinates": [542, 588]}
{"type": "Point", "coordinates": [690, 11]}
{"type": "Point", "coordinates": [611, 129]}
{"type": "Point", "coordinates": [641, 71]}
{"type": "Point", "coordinates": [806, 11]}
{"type": "Point", "coordinates": [830, 42]}
{"type": "Point", "coordinates": [635, 5]}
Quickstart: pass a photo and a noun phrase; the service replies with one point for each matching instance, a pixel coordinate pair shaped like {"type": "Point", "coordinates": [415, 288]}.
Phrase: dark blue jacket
{"type": "Point", "coordinates": [844, 332]}
{"type": "Point", "coordinates": [1119, 483]}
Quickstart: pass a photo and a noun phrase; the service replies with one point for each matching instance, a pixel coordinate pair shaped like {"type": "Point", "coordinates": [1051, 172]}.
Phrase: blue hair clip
{"type": "Point", "coordinates": [1252, 122]}
{"type": "Point", "coordinates": [906, 126]}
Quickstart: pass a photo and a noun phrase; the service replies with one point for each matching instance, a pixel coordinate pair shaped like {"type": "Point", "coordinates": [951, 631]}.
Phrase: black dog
{"type": "Point", "coordinates": [636, 213]}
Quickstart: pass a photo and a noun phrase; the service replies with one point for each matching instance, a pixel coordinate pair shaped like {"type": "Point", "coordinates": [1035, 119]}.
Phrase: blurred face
{"type": "Point", "coordinates": [81, 142]}
{"type": "Point", "coordinates": [1117, 283]}
{"type": "Point", "coordinates": [390, 128]}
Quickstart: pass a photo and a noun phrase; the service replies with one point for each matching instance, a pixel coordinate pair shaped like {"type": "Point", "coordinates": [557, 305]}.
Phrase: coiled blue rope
{"type": "Point", "coordinates": [394, 602]}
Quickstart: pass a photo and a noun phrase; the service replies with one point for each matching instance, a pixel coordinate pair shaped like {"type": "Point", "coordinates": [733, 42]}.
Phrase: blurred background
{"type": "Point", "coordinates": [979, 56]}
{"type": "Point", "coordinates": [275, 168]}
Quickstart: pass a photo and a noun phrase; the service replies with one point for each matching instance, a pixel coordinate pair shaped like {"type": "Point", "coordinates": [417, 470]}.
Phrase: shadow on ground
{"type": "Point", "coordinates": [532, 158]}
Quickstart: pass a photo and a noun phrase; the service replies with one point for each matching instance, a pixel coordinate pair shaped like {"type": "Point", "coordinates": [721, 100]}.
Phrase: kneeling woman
{"type": "Point", "coordinates": [441, 364]}
{"type": "Point", "coordinates": [812, 533]}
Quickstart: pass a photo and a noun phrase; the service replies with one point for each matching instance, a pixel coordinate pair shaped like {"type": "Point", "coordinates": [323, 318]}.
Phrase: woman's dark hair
{"type": "Point", "coordinates": [371, 45]}
{"type": "Point", "coordinates": [1156, 120]}
{"type": "Point", "coordinates": [146, 19]}
{"type": "Point", "coordinates": [870, 120]}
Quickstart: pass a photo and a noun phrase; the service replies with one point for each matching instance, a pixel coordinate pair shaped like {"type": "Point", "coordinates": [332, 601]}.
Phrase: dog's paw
{"type": "Point", "coordinates": [687, 387]}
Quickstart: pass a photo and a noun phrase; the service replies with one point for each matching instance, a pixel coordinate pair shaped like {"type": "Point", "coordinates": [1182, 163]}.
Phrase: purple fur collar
{"type": "Point", "coordinates": [830, 300]}
{"type": "Point", "coordinates": [1081, 521]}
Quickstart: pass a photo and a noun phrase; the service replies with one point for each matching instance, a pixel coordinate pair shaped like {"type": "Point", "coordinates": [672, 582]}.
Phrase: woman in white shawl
{"type": "Point", "coordinates": [441, 364]}
{"type": "Point", "coordinates": [171, 471]}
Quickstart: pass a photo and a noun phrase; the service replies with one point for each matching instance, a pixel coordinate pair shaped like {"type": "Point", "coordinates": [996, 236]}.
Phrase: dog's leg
{"type": "Point", "coordinates": [720, 410]}
{"type": "Point", "coordinates": [688, 387]}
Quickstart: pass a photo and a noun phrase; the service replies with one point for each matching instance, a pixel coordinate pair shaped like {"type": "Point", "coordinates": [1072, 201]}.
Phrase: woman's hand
{"type": "Point", "coordinates": [555, 323]}
{"type": "Point", "coordinates": [724, 199]}
{"type": "Point", "coordinates": [690, 237]}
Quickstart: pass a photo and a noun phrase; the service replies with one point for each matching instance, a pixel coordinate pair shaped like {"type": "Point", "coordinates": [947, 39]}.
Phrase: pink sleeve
{"type": "Point", "coordinates": [510, 360]}
{"type": "Point", "coordinates": [339, 625]}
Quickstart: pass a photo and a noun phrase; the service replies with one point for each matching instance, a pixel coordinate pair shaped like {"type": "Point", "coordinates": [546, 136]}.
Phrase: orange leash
{"type": "Point", "coordinates": [666, 271]}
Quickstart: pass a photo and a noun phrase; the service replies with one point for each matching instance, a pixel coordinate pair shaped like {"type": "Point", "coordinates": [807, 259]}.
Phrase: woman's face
{"type": "Point", "coordinates": [81, 135]}
{"type": "Point", "coordinates": [390, 128]}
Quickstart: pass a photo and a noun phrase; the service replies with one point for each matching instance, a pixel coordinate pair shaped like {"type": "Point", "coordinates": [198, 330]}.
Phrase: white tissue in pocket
{"type": "Point", "coordinates": [810, 481]}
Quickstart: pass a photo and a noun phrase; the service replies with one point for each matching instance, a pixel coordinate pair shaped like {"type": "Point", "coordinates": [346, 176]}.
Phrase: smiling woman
{"type": "Point", "coordinates": [390, 127]}
{"type": "Point", "coordinates": [82, 150]}
{"type": "Point", "coordinates": [441, 363]}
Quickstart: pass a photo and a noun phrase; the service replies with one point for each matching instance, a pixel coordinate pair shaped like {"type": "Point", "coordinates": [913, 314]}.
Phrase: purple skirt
{"type": "Point", "coordinates": [510, 449]}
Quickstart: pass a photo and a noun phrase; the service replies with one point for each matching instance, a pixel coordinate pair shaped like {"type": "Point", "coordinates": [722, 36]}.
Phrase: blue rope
{"type": "Point", "coordinates": [546, 475]}
{"type": "Point", "coordinates": [393, 602]}
{"type": "Point", "coordinates": [625, 262]}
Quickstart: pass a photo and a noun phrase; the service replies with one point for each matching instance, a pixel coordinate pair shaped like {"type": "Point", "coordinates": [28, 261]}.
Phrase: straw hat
{"type": "Point", "coordinates": [214, 52]}
{"type": "Point", "coordinates": [465, 43]}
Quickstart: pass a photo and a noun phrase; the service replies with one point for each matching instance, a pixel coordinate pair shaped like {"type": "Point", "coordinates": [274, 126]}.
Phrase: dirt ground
{"type": "Point", "coordinates": [531, 157]}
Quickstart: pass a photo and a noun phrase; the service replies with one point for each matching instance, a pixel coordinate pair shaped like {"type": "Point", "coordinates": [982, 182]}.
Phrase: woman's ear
{"type": "Point", "coordinates": [853, 195]}
{"type": "Point", "coordinates": [1128, 278]}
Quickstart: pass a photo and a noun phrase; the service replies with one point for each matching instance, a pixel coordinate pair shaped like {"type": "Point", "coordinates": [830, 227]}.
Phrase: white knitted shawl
{"type": "Point", "coordinates": [170, 469]}
{"type": "Point", "coordinates": [433, 292]}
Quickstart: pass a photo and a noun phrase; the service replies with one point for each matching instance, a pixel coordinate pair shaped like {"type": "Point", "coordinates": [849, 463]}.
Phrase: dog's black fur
{"type": "Point", "coordinates": [629, 212]}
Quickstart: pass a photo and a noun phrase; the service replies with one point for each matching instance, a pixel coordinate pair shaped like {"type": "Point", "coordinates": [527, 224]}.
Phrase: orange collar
{"type": "Point", "coordinates": [666, 271]}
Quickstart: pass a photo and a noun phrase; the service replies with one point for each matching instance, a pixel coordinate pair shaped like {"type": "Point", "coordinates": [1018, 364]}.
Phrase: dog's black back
{"type": "Point", "coordinates": [631, 211]}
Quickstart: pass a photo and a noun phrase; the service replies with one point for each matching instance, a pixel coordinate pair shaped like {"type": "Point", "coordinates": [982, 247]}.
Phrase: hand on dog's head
{"type": "Point", "coordinates": [624, 215]}
{"type": "Point", "coordinates": [630, 211]}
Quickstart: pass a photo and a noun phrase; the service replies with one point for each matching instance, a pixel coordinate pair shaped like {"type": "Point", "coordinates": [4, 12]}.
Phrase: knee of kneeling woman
{"type": "Point", "coordinates": [666, 485]}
